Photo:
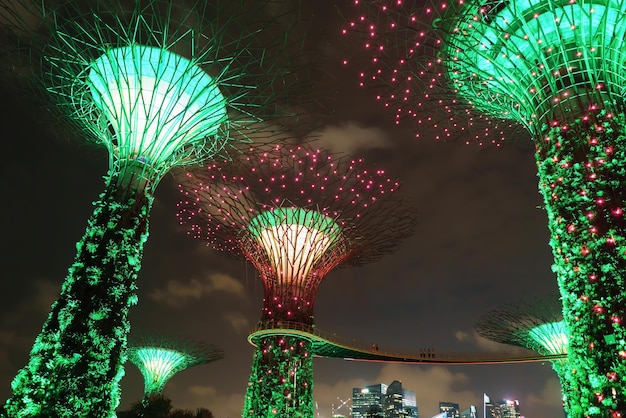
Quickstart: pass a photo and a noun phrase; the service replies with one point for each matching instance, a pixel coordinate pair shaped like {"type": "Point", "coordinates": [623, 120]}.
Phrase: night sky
{"type": "Point", "coordinates": [481, 241]}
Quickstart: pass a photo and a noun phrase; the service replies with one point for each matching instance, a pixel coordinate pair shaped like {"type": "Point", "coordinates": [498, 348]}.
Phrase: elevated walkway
{"type": "Point", "coordinates": [332, 346]}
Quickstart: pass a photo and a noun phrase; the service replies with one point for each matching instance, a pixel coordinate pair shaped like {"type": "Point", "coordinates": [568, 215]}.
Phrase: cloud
{"type": "Point", "coordinates": [544, 399]}
{"type": "Point", "coordinates": [176, 293]}
{"type": "Point", "coordinates": [350, 137]}
{"type": "Point", "coordinates": [483, 343]}
{"type": "Point", "coordinates": [238, 321]}
{"type": "Point", "coordinates": [203, 391]}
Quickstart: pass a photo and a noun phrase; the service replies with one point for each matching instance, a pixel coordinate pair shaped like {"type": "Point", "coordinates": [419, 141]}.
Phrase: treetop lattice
{"type": "Point", "coordinates": [536, 325]}
{"type": "Point", "coordinates": [160, 358]}
{"type": "Point", "coordinates": [296, 213]}
{"type": "Point", "coordinates": [477, 70]}
{"type": "Point", "coordinates": [162, 84]}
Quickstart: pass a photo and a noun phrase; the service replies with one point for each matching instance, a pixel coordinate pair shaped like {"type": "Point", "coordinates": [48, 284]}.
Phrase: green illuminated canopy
{"type": "Point", "coordinates": [159, 363]}
{"type": "Point", "coordinates": [294, 239]}
{"type": "Point", "coordinates": [535, 60]}
{"type": "Point", "coordinates": [293, 216]}
{"type": "Point", "coordinates": [552, 336]}
{"type": "Point", "coordinates": [164, 83]}
{"type": "Point", "coordinates": [157, 103]}
{"type": "Point", "coordinates": [536, 325]}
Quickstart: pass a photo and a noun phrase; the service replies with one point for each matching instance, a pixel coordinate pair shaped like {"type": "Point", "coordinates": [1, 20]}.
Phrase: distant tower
{"type": "Point", "coordinates": [535, 325]}
{"type": "Point", "coordinates": [158, 84]}
{"type": "Point", "coordinates": [382, 400]}
{"type": "Point", "coordinates": [450, 408]}
{"type": "Point", "coordinates": [471, 412]}
{"type": "Point", "coordinates": [368, 399]}
{"type": "Point", "coordinates": [484, 70]}
{"type": "Point", "coordinates": [295, 213]}
{"type": "Point", "coordinates": [399, 402]}
{"type": "Point", "coordinates": [159, 358]}
{"type": "Point", "coordinates": [507, 409]}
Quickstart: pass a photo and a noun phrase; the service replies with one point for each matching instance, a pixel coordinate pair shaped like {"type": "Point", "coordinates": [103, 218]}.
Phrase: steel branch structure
{"type": "Point", "coordinates": [536, 325]}
{"type": "Point", "coordinates": [158, 84]}
{"type": "Point", "coordinates": [160, 358]}
{"type": "Point", "coordinates": [555, 68]}
{"type": "Point", "coordinates": [295, 213]}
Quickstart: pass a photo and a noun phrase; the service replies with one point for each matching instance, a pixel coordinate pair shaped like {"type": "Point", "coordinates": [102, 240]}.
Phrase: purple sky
{"type": "Point", "coordinates": [481, 241]}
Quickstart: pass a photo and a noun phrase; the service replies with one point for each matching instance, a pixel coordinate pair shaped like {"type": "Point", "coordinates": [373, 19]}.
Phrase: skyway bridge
{"type": "Point", "coordinates": [332, 346]}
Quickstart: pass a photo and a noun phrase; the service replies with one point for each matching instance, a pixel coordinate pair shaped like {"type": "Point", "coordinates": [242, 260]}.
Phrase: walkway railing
{"type": "Point", "coordinates": [354, 350]}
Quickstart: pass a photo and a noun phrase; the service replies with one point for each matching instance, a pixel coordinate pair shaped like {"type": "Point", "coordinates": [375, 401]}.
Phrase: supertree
{"type": "Point", "coordinates": [160, 358]}
{"type": "Point", "coordinates": [536, 325]}
{"type": "Point", "coordinates": [158, 84]}
{"type": "Point", "coordinates": [295, 213]}
{"type": "Point", "coordinates": [554, 68]}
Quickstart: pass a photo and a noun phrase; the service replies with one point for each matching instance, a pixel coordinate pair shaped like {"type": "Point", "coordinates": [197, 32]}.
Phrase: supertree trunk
{"type": "Point", "coordinates": [77, 360]}
{"type": "Point", "coordinates": [582, 172]}
{"type": "Point", "coordinates": [571, 403]}
{"type": "Point", "coordinates": [281, 382]}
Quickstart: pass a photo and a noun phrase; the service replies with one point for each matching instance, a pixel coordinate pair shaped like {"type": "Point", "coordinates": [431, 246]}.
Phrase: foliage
{"type": "Point", "coordinates": [161, 407]}
{"type": "Point", "coordinates": [200, 413]}
{"type": "Point", "coordinates": [76, 362]}
{"type": "Point", "coordinates": [153, 407]}
{"type": "Point", "coordinates": [582, 170]}
{"type": "Point", "coordinates": [281, 382]}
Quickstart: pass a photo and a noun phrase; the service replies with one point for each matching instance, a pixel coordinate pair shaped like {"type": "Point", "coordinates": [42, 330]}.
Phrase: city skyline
{"type": "Point", "coordinates": [478, 228]}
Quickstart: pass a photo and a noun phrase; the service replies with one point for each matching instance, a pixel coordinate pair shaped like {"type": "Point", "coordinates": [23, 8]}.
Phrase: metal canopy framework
{"type": "Point", "coordinates": [167, 83]}
{"type": "Point", "coordinates": [295, 213]}
{"type": "Point", "coordinates": [479, 70]}
{"type": "Point", "coordinates": [160, 358]}
{"type": "Point", "coordinates": [537, 325]}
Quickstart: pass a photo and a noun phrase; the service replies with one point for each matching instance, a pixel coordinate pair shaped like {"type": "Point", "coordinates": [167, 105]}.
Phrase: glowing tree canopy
{"type": "Point", "coordinates": [479, 69]}
{"type": "Point", "coordinates": [159, 84]}
{"type": "Point", "coordinates": [295, 213]}
{"type": "Point", "coordinates": [159, 359]}
{"type": "Point", "coordinates": [536, 325]}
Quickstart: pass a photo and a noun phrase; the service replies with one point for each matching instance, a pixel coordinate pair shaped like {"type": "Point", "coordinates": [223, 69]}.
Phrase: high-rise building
{"type": "Point", "coordinates": [489, 408]}
{"type": "Point", "coordinates": [469, 412]}
{"type": "Point", "coordinates": [451, 409]}
{"type": "Point", "coordinates": [508, 409]}
{"type": "Point", "coordinates": [393, 400]}
{"type": "Point", "coordinates": [368, 401]}
{"type": "Point", "coordinates": [409, 403]}
{"type": "Point", "coordinates": [384, 401]}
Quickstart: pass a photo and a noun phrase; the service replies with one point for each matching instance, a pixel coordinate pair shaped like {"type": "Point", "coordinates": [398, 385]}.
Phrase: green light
{"type": "Point", "coordinates": [281, 382]}
{"type": "Point", "coordinates": [158, 365]}
{"type": "Point", "coordinates": [157, 102]}
{"type": "Point", "coordinates": [532, 61]}
{"type": "Point", "coordinates": [294, 240]}
{"type": "Point", "coordinates": [76, 361]}
{"type": "Point", "coordinates": [551, 336]}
